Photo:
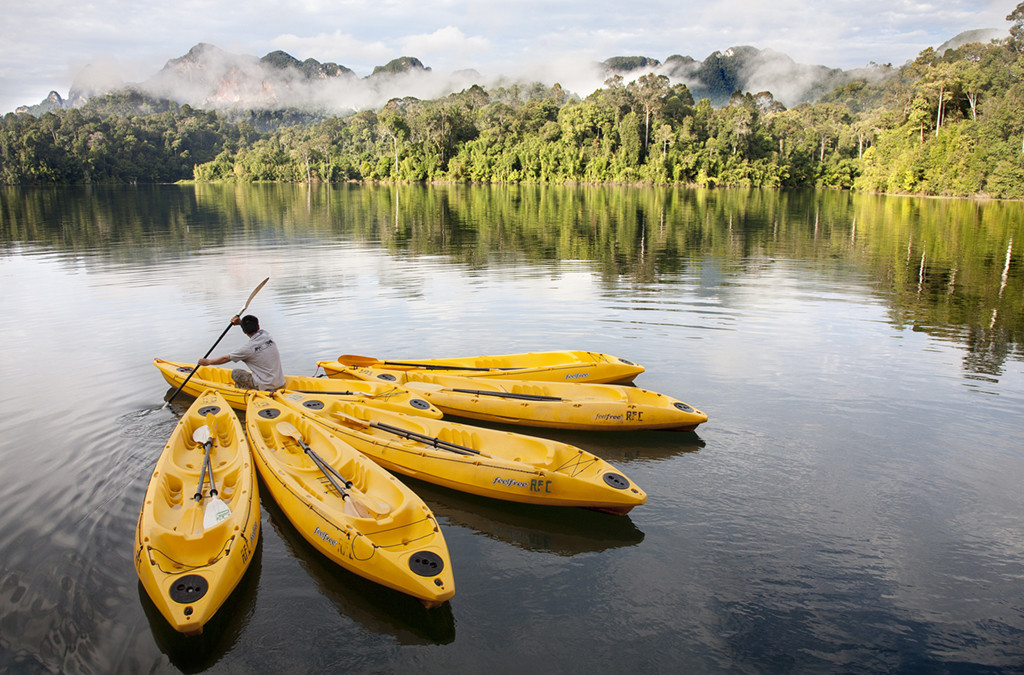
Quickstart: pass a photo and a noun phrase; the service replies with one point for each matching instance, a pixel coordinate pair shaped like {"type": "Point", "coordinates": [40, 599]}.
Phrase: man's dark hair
{"type": "Point", "coordinates": [249, 324]}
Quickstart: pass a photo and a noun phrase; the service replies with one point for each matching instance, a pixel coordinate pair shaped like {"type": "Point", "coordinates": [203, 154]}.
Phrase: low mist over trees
{"type": "Point", "coordinates": [949, 123]}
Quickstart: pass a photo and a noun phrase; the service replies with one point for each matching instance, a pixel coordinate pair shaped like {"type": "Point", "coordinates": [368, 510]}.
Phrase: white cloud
{"type": "Point", "coordinates": [449, 45]}
{"type": "Point", "coordinates": [338, 47]}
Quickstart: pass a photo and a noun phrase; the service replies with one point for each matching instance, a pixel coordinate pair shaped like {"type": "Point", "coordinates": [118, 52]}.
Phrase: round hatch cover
{"type": "Point", "coordinates": [188, 589]}
{"type": "Point", "coordinates": [617, 481]}
{"type": "Point", "coordinates": [210, 409]}
{"type": "Point", "coordinates": [419, 404]}
{"type": "Point", "coordinates": [426, 563]}
{"type": "Point", "coordinates": [269, 413]}
{"type": "Point", "coordinates": [313, 404]}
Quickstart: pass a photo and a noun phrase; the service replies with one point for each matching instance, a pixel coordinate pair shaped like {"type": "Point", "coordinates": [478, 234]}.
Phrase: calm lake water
{"type": "Point", "coordinates": [854, 503]}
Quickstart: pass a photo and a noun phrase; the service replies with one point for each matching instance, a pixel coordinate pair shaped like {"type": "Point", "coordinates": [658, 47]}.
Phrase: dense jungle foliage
{"type": "Point", "coordinates": [944, 124]}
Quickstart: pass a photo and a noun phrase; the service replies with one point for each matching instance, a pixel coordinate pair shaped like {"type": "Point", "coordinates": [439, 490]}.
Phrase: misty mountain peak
{"type": "Point", "coordinates": [627, 64]}
{"type": "Point", "coordinates": [211, 78]}
{"type": "Point", "coordinates": [978, 35]}
{"type": "Point", "coordinates": [198, 55]}
{"type": "Point", "coordinates": [311, 69]}
{"type": "Point", "coordinates": [53, 101]}
{"type": "Point", "coordinates": [742, 52]}
{"type": "Point", "coordinates": [402, 64]}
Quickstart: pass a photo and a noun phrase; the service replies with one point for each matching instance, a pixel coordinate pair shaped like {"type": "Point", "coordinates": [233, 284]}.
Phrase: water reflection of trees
{"type": "Point", "coordinates": [947, 267]}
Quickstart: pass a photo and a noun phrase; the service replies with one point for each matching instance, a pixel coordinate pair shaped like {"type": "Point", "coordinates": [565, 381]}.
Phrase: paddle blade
{"type": "Point", "coordinates": [367, 503]}
{"type": "Point", "coordinates": [253, 295]}
{"type": "Point", "coordinates": [380, 508]}
{"type": "Point", "coordinates": [217, 510]}
{"type": "Point", "coordinates": [289, 430]}
{"type": "Point", "coordinates": [356, 360]}
{"type": "Point", "coordinates": [201, 435]}
{"type": "Point", "coordinates": [348, 419]}
{"type": "Point", "coordinates": [356, 508]}
{"type": "Point", "coordinates": [377, 507]}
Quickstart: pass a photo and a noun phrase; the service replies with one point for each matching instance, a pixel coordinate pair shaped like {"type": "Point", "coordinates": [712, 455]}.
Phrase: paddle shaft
{"type": "Point", "coordinates": [330, 474]}
{"type": "Point", "coordinates": [411, 435]}
{"type": "Point", "coordinates": [210, 351]}
{"type": "Point", "coordinates": [432, 366]}
{"type": "Point", "coordinates": [359, 508]}
{"type": "Point", "coordinates": [327, 470]}
{"type": "Point", "coordinates": [427, 440]}
{"type": "Point", "coordinates": [213, 486]}
{"type": "Point", "coordinates": [355, 360]}
{"type": "Point", "coordinates": [198, 496]}
{"type": "Point", "coordinates": [379, 509]}
{"type": "Point", "coordinates": [505, 394]}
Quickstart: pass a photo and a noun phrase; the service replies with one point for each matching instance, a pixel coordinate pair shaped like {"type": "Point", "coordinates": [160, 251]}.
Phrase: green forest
{"type": "Point", "coordinates": [945, 124]}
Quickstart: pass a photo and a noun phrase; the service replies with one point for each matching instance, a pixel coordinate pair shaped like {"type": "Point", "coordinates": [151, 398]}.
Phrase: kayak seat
{"type": "Point", "coordinates": [226, 483]}
{"type": "Point", "coordinates": [190, 521]}
{"type": "Point", "coordinates": [188, 460]}
{"type": "Point", "coordinates": [528, 389]}
{"type": "Point", "coordinates": [459, 437]}
{"type": "Point", "coordinates": [169, 499]}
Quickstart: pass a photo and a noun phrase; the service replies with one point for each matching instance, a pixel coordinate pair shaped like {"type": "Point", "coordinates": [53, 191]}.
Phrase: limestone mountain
{"type": "Point", "coordinates": [979, 35]}
{"type": "Point", "coordinates": [311, 69]}
{"type": "Point", "coordinates": [401, 65]}
{"type": "Point", "coordinates": [211, 78]}
{"type": "Point", "coordinates": [746, 69]}
{"type": "Point", "coordinates": [53, 101]}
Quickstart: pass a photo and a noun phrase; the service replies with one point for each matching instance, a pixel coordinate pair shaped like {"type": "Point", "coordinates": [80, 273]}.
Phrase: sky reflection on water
{"type": "Point", "coordinates": [853, 503]}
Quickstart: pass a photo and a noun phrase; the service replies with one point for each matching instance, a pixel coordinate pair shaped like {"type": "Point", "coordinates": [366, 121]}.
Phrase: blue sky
{"type": "Point", "coordinates": [44, 43]}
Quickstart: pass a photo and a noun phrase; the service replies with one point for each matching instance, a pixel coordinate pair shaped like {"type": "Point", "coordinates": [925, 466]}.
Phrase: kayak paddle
{"type": "Point", "coordinates": [365, 361]}
{"type": "Point", "coordinates": [216, 509]}
{"type": "Point", "coordinates": [432, 441]}
{"type": "Point", "coordinates": [182, 385]}
{"type": "Point", "coordinates": [353, 507]}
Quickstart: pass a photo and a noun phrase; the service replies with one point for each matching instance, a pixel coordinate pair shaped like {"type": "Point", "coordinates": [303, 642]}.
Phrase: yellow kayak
{"type": "Point", "coordinates": [191, 552]}
{"type": "Point", "coordinates": [349, 508]}
{"type": "Point", "coordinates": [562, 366]}
{"type": "Point", "coordinates": [556, 405]}
{"type": "Point", "coordinates": [486, 462]}
{"type": "Point", "coordinates": [381, 394]}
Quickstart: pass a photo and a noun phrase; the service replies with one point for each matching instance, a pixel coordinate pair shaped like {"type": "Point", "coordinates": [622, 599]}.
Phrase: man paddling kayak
{"type": "Point", "coordinates": [259, 353]}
